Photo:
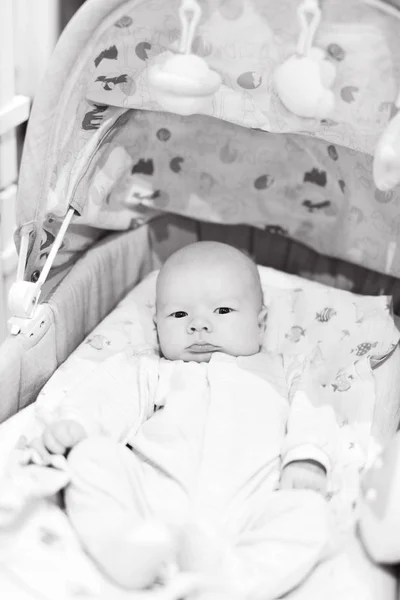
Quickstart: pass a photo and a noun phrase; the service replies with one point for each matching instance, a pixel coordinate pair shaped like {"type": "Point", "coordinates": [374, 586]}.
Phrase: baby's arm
{"type": "Point", "coordinates": [111, 401]}
{"type": "Point", "coordinates": [309, 448]}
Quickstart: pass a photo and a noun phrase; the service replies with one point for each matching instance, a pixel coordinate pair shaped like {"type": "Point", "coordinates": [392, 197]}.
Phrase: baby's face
{"type": "Point", "coordinates": [206, 308]}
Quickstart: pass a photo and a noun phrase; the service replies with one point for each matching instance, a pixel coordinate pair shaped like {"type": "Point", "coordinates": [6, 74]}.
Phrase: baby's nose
{"type": "Point", "coordinates": [199, 324]}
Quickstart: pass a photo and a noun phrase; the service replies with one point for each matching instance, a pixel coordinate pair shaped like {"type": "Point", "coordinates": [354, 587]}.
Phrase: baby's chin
{"type": "Point", "coordinates": [190, 356]}
{"type": "Point", "coordinates": [205, 357]}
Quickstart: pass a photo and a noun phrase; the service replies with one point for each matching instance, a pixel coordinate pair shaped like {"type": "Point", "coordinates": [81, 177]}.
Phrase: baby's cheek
{"type": "Point", "coordinates": [164, 339]}
{"type": "Point", "coordinates": [172, 341]}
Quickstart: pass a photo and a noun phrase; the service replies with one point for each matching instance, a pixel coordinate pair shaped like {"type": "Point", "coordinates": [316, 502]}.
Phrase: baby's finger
{"type": "Point", "coordinates": [68, 433]}
{"type": "Point", "coordinates": [38, 446]}
{"type": "Point", "coordinates": [62, 435]}
{"type": "Point", "coordinates": [53, 445]}
{"type": "Point", "coordinates": [76, 433]}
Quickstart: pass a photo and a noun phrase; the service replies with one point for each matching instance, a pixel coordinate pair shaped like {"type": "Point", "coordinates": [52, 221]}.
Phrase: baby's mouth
{"type": "Point", "coordinates": [202, 347]}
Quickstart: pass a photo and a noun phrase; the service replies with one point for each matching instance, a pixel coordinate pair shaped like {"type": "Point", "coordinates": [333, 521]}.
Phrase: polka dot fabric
{"type": "Point", "coordinates": [243, 159]}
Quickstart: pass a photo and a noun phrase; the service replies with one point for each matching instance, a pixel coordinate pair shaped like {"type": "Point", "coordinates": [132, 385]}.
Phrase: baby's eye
{"type": "Point", "coordinates": [179, 314]}
{"type": "Point", "coordinates": [224, 310]}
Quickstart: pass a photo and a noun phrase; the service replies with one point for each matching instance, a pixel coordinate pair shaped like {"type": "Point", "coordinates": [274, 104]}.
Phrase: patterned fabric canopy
{"type": "Point", "coordinates": [99, 142]}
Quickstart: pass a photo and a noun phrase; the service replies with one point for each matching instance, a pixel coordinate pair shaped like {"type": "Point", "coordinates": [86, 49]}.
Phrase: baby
{"type": "Point", "coordinates": [178, 460]}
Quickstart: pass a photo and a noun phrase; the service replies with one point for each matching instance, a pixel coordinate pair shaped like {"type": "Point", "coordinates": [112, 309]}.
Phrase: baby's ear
{"type": "Point", "coordinates": [262, 318]}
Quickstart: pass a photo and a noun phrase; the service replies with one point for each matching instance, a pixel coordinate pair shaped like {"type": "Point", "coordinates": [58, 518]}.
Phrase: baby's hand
{"type": "Point", "coordinates": [304, 474]}
{"type": "Point", "coordinates": [57, 438]}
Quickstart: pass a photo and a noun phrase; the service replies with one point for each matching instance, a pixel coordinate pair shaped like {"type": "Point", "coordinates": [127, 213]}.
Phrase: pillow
{"type": "Point", "coordinates": [335, 326]}
{"type": "Point", "coordinates": [339, 338]}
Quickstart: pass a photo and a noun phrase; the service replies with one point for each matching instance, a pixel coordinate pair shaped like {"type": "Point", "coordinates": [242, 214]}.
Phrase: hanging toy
{"type": "Point", "coordinates": [183, 82]}
{"type": "Point", "coordinates": [386, 167]}
{"type": "Point", "coordinates": [304, 80]}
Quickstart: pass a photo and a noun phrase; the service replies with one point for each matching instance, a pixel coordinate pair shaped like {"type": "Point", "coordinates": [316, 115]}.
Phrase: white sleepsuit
{"type": "Point", "coordinates": [206, 443]}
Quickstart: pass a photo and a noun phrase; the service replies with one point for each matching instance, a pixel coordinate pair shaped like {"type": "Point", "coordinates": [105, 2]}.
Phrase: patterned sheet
{"type": "Point", "coordinates": [336, 328]}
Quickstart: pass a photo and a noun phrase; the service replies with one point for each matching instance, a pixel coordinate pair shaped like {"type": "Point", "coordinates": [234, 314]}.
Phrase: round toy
{"type": "Point", "coordinates": [183, 83]}
{"type": "Point", "coordinates": [304, 80]}
{"type": "Point", "coordinates": [303, 83]}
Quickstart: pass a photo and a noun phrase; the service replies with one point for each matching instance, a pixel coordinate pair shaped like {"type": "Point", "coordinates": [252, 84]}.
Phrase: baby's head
{"type": "Point", "coordinates": [209, 299]}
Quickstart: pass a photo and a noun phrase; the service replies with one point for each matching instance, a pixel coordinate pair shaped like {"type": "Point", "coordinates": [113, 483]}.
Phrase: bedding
{"type": "Point", "coordinates": [121, 162]}
{"type": "Point", "coordinates": [43, 560]}
{"type": "Point", "coordinates": [45, 538]}
{"type": "Point", "coordinates": [338, 330]}
{"type": "Point", "coordinates": [305, 317]}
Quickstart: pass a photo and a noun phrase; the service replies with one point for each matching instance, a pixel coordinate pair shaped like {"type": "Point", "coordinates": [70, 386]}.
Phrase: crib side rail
{"type": "Point", "coordinates": [74, 305]}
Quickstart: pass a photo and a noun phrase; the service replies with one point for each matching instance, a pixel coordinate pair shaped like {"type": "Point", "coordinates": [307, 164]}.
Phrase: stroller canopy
{"type": "Point", "coordinates": [100, 142]}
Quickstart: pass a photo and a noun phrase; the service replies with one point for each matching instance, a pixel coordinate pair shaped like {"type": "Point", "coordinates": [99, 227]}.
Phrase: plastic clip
{"type": "Point", "coordinates": [309, 15]}
{"type": "Point", "coordinates": [188, 24]}
{"type": "Point", "coordinates": [23, 296]}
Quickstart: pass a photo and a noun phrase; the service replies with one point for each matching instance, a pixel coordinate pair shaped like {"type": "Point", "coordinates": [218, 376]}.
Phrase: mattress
{"type": "Point", "coordinates": [45, 557]}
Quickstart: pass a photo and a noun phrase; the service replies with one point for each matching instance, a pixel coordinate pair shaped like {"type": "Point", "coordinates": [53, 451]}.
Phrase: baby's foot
{"type": "Point", "coordinates": [143, 558]}
{"type": "Point", "coordinates": [200, 550]}
{"type": "Point", "coordinates": [205, 554]}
